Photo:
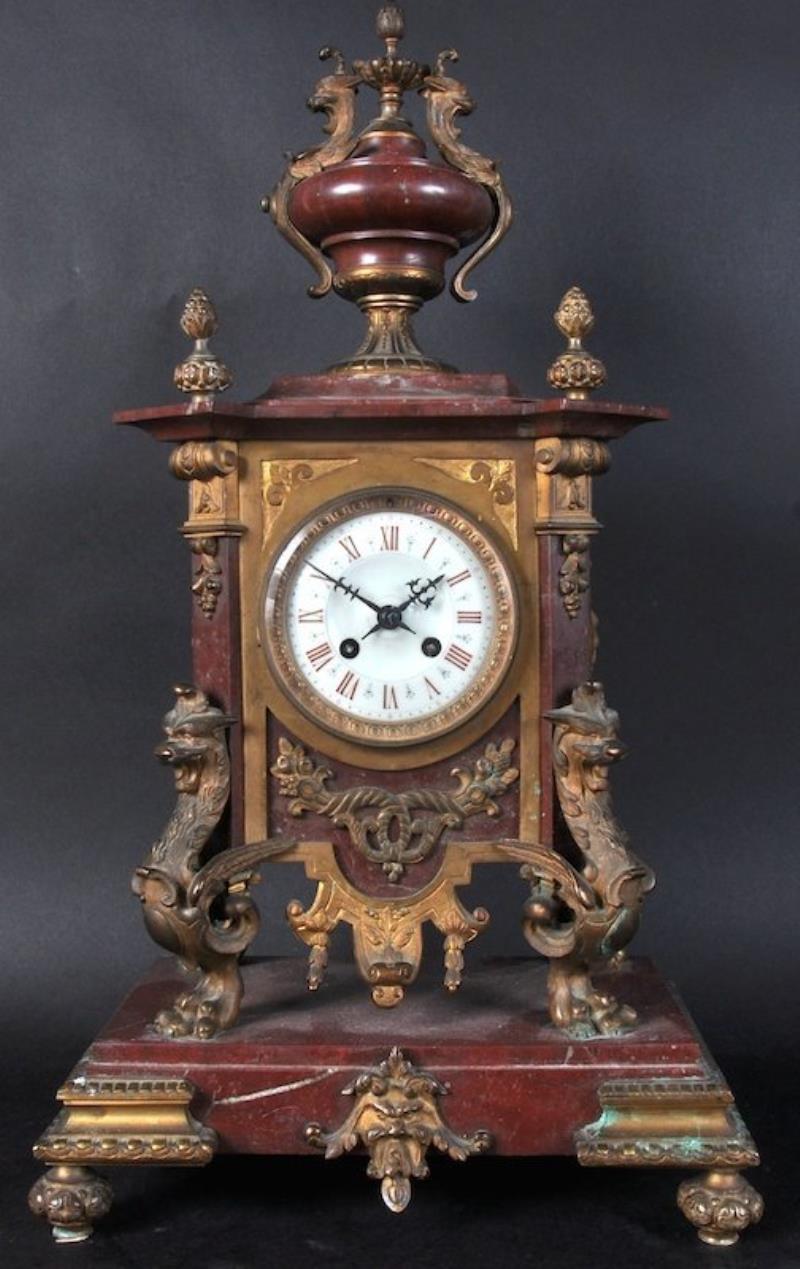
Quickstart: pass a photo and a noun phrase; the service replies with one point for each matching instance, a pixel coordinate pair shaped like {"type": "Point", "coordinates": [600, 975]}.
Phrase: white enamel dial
{"type": "Point", "coordinates": [390, 617]}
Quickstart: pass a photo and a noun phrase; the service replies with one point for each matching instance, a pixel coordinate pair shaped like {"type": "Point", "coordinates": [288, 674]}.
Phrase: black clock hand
{"type": "Point", "coordinates": [388, 614]}
{"type": "Point", "coordinates": [416, 595]}
{"type": "Point", "coordinates": [389, 617]}
{"type": "Point", "coordinates": [339, 584]}
{"type": "Point", "coordinates": [388, 623]}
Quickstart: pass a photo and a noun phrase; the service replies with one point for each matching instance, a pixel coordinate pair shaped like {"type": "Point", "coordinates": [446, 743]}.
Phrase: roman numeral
{"type": "Point", "coordinates": [389, 697]}
{"type": "Point", "coordinates": [390, 538]}
{"type": "Point", "coordinates": [429, 548]}
{"type": "Point", "coordinates": [349, 685]}
{"type": "Point", "coordinates": [432, 689]}
{"type": "Point", "coordinates": [320, 656]}
{"type": "Point", "coordinates": [350, 547]}
{"type": "Point", "coordinates": [457, 656]}
{"type": "Point", "coordinates": [310, 617]}
{"type": "Point", "coordinates": [458, 578]}
{"type": "Point", "coordinates": [464, 616]}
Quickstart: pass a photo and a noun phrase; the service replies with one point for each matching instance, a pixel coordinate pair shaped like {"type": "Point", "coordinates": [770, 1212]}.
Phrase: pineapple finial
{"type": "Point", "coordinates": [575, 372]}
{"type": "Point", "coordinates": [202, 373]}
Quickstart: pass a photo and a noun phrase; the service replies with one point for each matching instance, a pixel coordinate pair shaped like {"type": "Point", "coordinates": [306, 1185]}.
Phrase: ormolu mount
{"type": "Point", "coordinates": [373, 215]}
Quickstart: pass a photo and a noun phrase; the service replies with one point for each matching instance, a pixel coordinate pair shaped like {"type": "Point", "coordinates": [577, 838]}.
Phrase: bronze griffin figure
{"type": "Point", "coordinates": [580, 917]}
{"type": "Point", "coordinates": [201, 911]}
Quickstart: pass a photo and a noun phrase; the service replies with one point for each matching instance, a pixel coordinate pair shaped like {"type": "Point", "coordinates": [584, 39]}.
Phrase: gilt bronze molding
{"type": "Point", "coordinates": [132, 1121]}
{"type": "Point", "coordinates": [680, 1123]}
{"type": "Point", "coordinates": [202, 911]}
{"type": "Point", "coordinates": [587, 916]}
{"type": "Point", "coordinates": [565, 467]}
{"type": "Point", "coordinates": [394, 829]}
{"type": "Point", "coordinates": [211, 469]}
{"type": "Point", "coordinates": [573, 575]}
{"type": "Point", "coordinates": [497, 476]}
{"type": "Point", "coordinates": [279, 479]}
{"type": "Point", "coordinates": [564, 470]}
{"type": "Point", "coordinates": [207, 579]}
{"type": "Point", "coordinates": [666, 1123]}
{"type": "Point", "coordinates": [203, 460]}
{"type": "Point", "coordinates": [573, 456]}
{"type": "Point", "coordinates": [139, 1120]}
{"type": "Point", "coordinates": [396, 1118]}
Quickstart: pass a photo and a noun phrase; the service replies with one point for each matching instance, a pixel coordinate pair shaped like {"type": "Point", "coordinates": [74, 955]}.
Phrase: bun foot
{"type": "Point", "coordinates": [71, 1198]}
{"type": "Point", "coordinates": [720, 1204]}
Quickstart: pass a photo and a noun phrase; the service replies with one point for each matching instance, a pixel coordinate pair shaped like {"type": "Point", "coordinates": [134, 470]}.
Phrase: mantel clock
{"type": "Point", "coordinates": [393, 646]}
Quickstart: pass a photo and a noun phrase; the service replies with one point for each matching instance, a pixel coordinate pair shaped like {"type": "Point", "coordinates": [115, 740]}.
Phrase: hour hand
{"type": "Point", "coordinates": [419, 591]}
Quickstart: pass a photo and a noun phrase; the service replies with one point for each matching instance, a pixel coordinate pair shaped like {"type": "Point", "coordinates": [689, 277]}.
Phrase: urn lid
{"type": "Point", "coordinates": [375, 216]}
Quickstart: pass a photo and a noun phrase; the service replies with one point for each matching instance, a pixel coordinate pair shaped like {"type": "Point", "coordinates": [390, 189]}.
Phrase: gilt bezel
{"type": "Point", "coordinates": [284, 667]}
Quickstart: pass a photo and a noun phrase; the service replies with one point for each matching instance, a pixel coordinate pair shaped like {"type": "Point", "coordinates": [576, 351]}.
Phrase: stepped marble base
{"type": "Point", "coordinates": [481, 1071]}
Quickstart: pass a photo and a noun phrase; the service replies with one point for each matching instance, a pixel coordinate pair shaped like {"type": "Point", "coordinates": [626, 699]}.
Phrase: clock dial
{"type": "Point", "coordinates": [390, 617]}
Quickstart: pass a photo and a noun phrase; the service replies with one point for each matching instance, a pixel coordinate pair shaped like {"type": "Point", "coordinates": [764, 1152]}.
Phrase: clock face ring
{"type": "Point", "coordinates": [390, 617]}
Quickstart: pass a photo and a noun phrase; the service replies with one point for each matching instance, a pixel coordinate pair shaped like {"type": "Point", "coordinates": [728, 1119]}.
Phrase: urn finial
{"type": "Point", "coordinates": [375, 217]}
{"type": "Point", "coordinates": [575, 372]}
{"type": "Point", "coordinates": [202, 373]}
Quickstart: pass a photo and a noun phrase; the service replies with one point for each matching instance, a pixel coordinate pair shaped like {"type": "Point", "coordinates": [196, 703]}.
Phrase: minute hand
{"type": "Point", "coordinates": [338, 584]}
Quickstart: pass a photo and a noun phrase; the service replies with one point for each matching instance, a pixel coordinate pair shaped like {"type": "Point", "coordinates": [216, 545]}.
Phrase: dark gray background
{"type": "Point", "coordinates": [653, 156]}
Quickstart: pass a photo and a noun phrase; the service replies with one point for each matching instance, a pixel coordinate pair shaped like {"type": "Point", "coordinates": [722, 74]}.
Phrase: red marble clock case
{"type": "Point", "coordinates": [275, 1082]}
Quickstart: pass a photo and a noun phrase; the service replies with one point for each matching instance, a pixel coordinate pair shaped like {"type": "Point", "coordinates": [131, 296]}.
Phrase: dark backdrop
{"type": "Point", "coordinates": [652, 153]}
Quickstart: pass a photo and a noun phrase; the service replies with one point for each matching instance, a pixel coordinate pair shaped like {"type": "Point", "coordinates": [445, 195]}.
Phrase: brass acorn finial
{"type": "Point", "coordinates": [575, 372]}
{"type": "Point", "coordinates": [390, 23]}
{"type": "Point", "coordinates": [202, 373]}
{"type": "Point", "coordinates": [390, 75]}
